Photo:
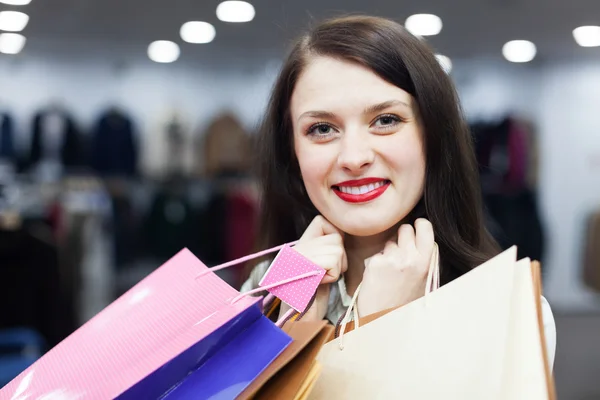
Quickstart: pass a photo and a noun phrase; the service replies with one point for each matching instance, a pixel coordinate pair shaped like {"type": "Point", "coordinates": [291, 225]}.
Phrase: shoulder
{"type": "Point", "coordinates": [549, 330]}
{"type": "Point", "coordinates": [255, 276]}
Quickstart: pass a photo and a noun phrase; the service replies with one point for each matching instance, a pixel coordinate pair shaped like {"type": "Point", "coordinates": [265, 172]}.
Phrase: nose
{"type": "Point", "coordinates": [356, 153]}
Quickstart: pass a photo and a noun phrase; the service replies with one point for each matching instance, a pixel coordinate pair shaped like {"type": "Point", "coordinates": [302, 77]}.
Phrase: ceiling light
{"type": "Point", "coordinates": [13, 21]}
{"type": "Point", "coordinates": [445, 62]}
{"type": "Point", "coordinates": [424, 24]}
{"type": "Point", "coordinates": [235, 11]}
{"type": "Point", "coordinates": [587, 36]}
{"type": "Point", "coordinates": [16, 2]}
{"type": "Point", "coordinates": [11, 43]}
{"type": "Point", "coordinates": [163, 51]}
{"type": "Point", "coordinates": [519, 51]}
{"type": "Point", "coordinates": [197, 32]}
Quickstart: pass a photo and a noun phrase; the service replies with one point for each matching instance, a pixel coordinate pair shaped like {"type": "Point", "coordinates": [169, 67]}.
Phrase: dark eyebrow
{"type": "Point", "coordinates": [369, 110]}
{"type": "Point", "coordinates": [386, 104]}
{"type": "Point", "coordinates": [318, 114]}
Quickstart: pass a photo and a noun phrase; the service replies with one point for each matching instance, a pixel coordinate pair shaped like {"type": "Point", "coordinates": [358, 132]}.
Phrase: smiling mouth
{"type": "Point", "coordinates": [362, 193]}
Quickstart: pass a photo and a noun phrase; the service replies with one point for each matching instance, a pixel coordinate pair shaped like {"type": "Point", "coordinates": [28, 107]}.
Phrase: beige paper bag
{"type": "Point", "coordinates": [478, 337]}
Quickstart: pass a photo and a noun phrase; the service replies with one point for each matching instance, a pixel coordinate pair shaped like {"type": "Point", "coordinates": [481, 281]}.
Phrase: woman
{"type": "Point", "coordinates": [366, 157]}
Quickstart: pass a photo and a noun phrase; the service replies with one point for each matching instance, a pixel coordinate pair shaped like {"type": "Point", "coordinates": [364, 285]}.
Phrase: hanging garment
{"type": "Point", "coordinates": [114, 148]}
{"type": "Point", "coordinates": [516, 221]}
{"type": "Point", "coordinates": [30, 291]}
{"type": "Point", "coordinates": [226, 146]}
{"type": "Point", "coordinates": [7, 146]}
{"type": "Point", "coordinates": [168, 152]}
{"type": "Point", "coordinates": [241, 217]}
{"type": "Point", "coordinates": [512, 211]}
{"type": "Point", "coordinates": [518, 158]}
{"type": "Point", "coordinates": [169, 225]}
{"type": "Point", "coordinates": [55, 139]}
{"type": "Point", "coordinates": [502, 154]}
{"type": "Point", "coordinates": [210, 244]}
{"type": "Point", "coordinates": [591, 266]}
{"type": "Point", "coordinates": [125, 227]}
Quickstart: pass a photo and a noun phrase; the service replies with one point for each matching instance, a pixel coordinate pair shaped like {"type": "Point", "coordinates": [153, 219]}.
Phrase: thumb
{"type": "Point", "coordinates": [320, 227]}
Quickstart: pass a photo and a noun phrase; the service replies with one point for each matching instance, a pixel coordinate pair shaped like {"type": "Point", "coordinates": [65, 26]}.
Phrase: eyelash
{"type": "Point", "coordinates": [395, 118]}
{"type": "Point", "coordinates": [311, 130]}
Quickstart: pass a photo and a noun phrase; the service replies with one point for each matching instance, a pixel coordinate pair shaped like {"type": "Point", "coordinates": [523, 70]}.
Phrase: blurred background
{"type": "Point", "coordinates": [127, 128]}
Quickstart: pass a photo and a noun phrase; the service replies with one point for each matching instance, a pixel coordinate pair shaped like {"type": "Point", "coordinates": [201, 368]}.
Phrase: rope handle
{"type": "Point", "coordinates": [432, 283]}
{"type": "Point", "coordinates": [433, 276]}
{"type": "Point", "coordinates": [351, 309]}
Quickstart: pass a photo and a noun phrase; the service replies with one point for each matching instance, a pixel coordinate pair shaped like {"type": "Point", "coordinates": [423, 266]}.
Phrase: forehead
{"type": "Point", "coordinates": [327, 83]}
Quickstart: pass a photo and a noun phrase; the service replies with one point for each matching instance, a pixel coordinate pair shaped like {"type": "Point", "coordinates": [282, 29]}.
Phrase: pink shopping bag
{"type": "Point", "coordinates": [174, 322]}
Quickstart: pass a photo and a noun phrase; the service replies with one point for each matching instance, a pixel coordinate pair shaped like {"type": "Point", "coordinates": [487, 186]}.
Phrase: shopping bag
{"type": "Point", "coordinates": [180, 318]}
{"type": "Point", "coordinates": [225, 375]}
{"type": "Point", "coordinates": [478, 337]}
{"type": "Point", "coordinates": [293, 373]}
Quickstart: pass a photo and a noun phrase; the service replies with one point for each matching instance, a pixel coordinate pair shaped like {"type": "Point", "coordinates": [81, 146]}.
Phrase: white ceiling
{"type": "Point", "coordinates": [471, 27]}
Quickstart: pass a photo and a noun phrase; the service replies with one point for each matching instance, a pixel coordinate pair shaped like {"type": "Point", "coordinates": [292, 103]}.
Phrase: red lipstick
{"type": "Point", "coordinates": [363, 197]}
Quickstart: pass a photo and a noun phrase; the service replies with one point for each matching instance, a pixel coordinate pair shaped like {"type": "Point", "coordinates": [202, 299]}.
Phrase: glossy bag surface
{"type": "Point", "coordinates": [146, 342]}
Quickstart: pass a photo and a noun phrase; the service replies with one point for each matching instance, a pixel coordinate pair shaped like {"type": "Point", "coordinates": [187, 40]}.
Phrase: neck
{"type": "Point", "coordinates": [358, 249]}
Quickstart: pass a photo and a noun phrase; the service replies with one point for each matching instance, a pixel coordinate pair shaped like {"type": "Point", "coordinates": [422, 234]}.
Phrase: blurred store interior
{"type": "Point", "coordinates": [127, 129]}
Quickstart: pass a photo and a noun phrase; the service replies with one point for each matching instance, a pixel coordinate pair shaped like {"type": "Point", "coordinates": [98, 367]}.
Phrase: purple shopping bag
{"type": "Point", "coordinates": [227, 374]}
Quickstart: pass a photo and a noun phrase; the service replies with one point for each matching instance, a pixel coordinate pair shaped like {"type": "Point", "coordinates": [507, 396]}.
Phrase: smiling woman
{"type": "Point", "coordinates": [362, 98]}
{"type": "Point", "coordinates": [366, 157]}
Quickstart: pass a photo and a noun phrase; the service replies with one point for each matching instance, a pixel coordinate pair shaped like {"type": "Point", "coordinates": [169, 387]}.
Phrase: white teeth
{"type": "Point", "coordinates": [361, 189]}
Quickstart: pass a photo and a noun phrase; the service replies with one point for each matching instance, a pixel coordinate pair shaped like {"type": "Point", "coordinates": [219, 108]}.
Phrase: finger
{"type": "Point", "coordinates": [319, 227]}
{"type": "Point", "coordinates": [324, 245]}
{"type": "Point", "coordinates": [335, 256]}
{"type": "Point", "coordinates": [425, 237]}
{"type": "Point", "coordinates": [406, 236]}
{"type": "Point", "coordinates": [344, 263]}
{"type": "Point", "coordinates": [332, 273]}
{"type": "Point", "coordinates": [389, 247]}
{"type": "Point", "coordinates": [333, 239]}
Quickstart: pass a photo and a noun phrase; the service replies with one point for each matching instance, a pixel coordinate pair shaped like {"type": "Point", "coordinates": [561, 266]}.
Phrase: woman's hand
{"type": "Point", "coordinates": [397, 275]}
{"type": "Point", "coordinates": [322, 243]}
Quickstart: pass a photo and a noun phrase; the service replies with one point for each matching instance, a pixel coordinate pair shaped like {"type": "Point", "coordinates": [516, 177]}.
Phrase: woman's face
{"type": "Point", "coordinates": [359, 145]}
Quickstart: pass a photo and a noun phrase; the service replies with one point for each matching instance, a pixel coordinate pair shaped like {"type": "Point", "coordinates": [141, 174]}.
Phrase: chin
{"type": "Point", "coordinates": [365, 229]}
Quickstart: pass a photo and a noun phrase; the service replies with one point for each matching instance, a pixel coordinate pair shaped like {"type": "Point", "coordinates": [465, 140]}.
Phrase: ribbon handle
{"type": "Point", "coordinates": [244, 259]}
{"type": "Point", "coordinates": [269, 297]}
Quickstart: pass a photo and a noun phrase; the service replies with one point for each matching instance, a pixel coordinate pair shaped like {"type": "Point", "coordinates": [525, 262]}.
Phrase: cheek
{"type": "Point", "coordinates": [314, 164]}
{"type": "Point", "coordinates": [406, 157]}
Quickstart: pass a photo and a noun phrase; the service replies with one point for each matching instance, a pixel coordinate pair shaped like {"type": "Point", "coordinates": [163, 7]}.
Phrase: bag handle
{"type": "Point", "coordinates": [351, 309]}
{"type": "Point", "coordinates": [275, 284]}
{"type": "Point", "coordinates": [291, 311]}
{"type": "Point", "coordinates": [433, 276]}
{"type": "Point", "coordinates": [244, 259]}
{"type": "Point", "coordinates": [270, 296]}
{"type": "Point", "coordinates": [432, 283]}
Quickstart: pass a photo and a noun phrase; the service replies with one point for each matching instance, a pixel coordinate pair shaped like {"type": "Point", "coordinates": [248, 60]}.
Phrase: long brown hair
{"type": "Point", "coordinates": [451, 199]}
